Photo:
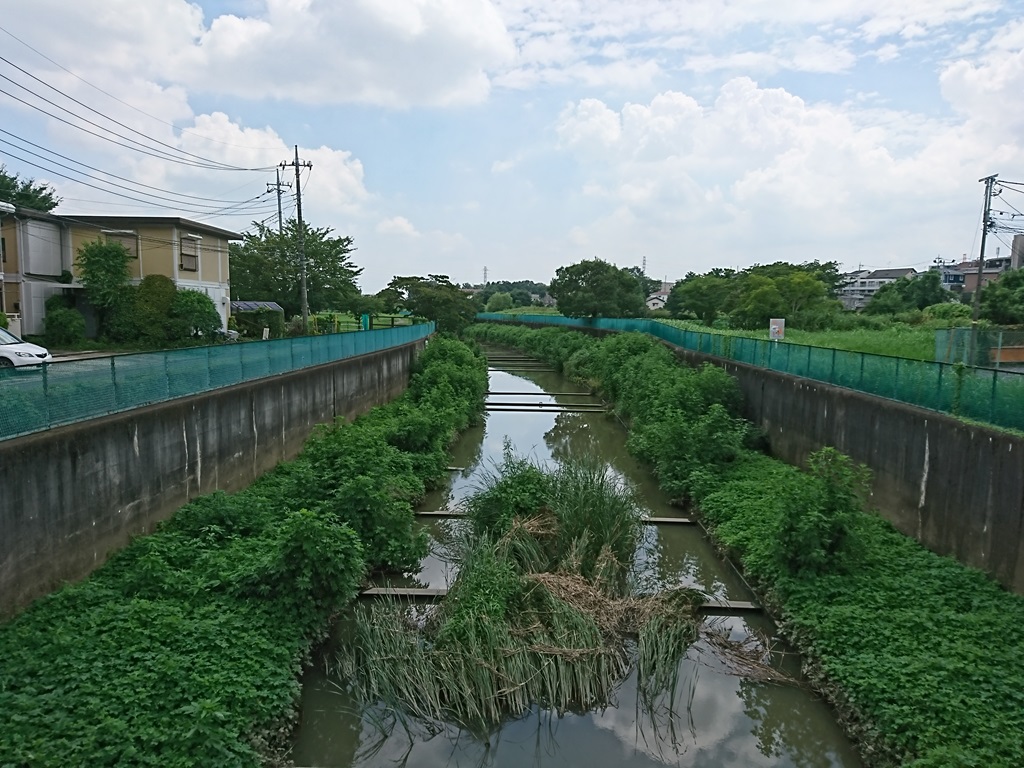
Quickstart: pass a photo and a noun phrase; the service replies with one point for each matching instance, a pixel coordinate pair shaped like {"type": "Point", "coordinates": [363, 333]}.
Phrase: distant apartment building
{"type": "Point", "coordinates": [39, 251]}
{"type": "Point", "coordinates": [993, 267]}
{"type": "Point", "coordinates": [858, 287]}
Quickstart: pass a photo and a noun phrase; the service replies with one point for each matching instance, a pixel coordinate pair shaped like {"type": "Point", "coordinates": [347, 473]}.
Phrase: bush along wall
{"type": "Point", "coordinates": [185, 648]}
{"type": "Point", "coordinates": [922, 657]}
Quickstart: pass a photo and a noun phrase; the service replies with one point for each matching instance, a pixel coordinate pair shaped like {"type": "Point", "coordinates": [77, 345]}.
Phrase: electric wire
{"type": "Point", "coordinates": [212, 163]}
{"type": "Point", "coordinates": [141, 148]}
{"type": "Point", "coordinates": [129, 105]}
{"type": "Point", "coordinates": [99, 170]}
{"type": "Point", "coordinates": [125, 103]}
{"type": "Point", "coordinates": [203, 209]}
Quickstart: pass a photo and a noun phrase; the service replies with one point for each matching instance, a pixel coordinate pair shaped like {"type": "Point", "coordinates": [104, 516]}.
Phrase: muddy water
{"type": "Point", "coordinates": [712, 718]}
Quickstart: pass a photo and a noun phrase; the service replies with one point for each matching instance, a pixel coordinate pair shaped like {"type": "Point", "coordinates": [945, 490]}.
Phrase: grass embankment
{"type": "Point", "coordinates": [922, 656]}
{"type": "Point", "coordinates": [185, 648]}
{"type": "Point", "coordinates": [538, 613]}
{"type": "Point", "coordinates": [916, 342]}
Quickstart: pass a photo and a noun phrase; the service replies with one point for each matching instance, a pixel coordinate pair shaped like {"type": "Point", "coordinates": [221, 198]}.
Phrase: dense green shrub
{"type": "Point", "coordinates": [155, 297]}
{"type": "Point", "coordinates": [64, 327]}
{"type": "Point", "coordinates": [193, 315]}
{"type": "Point", "coordinates": [121, 320]}
{"type": "Point", "coordinates": [185, 648]}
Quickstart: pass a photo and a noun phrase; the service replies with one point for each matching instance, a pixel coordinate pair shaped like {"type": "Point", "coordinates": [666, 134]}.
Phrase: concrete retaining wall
{"type": "Point", "coordinates": [73, 495]}
{"type": "Point", "coordinates": [955, 487]}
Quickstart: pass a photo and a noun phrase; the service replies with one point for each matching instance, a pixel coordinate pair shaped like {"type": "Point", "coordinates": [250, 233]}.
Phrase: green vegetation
{"type": "Point", "coordinates": [520, 291]}
{"type": "Point", "coordinates": [916, 342]}
{"type": "Point", "coordinates": [804, 294]}
{"type": "Point", "coordinates": [920, 654]}
{"type": "Point", "coordinates": [185, 648]}
{"type": "Point", "coordinates": [595, 288]}
{"type": "Point", "coordinates": [65, 326]}
{"type": "Point", "coordinates": [103, 270]}
{"type": "Point", "coordinates": [909, 293]}
{"type": "Point", "coordinates": [27, 192]}
{"type": "Point", "coordinates": [1003, 301]}
{"type": "Point", "coordinates": [538, 614]}
{"type": "Point", "coordinates": [265, 266]}
{"type": "Point", "coordinates": [434, 297]}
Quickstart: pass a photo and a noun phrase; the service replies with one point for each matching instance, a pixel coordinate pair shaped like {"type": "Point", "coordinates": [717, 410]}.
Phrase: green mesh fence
{"type": "Point", "coordinates": [980, 393]}
{"type": "Point", "coordinates": [37, 398]}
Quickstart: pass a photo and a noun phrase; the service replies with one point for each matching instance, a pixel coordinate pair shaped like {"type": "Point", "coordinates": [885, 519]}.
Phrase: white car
{"type": "Point", "coordinates": [15, 353]}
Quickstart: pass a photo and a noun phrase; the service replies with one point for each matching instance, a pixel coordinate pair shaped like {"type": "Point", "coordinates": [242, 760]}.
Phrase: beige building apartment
{"type": "Point", "coordinates": [38, 248]}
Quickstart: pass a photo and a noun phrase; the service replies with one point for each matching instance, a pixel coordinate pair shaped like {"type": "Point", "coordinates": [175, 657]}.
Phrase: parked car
{"type": "Point", "coordinates": [15, 353]}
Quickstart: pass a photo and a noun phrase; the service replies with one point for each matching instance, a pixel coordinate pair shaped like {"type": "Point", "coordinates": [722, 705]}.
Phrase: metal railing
{"type": "Point", "coordinates": [37, 398]}
{"type": "Point", "coordinates": [978, 393]}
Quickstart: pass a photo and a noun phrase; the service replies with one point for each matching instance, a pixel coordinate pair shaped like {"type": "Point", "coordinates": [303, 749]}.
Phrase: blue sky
{"type": "Point", "coordinates": [522, 135]}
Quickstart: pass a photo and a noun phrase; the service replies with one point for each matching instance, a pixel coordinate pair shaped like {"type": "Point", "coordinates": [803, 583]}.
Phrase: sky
{"type": "Point", "coordinates": [450, 136]}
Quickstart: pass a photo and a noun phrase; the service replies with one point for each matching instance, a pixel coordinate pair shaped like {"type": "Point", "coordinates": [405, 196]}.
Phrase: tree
{"type": "Point", "coordinates": [499, 302]}
{"type": "Point", "coordinates": [594, 288]}
{"type": "Point", "coordinates": [26, 193]}
{"type": "Point", "coordinates": [1002, 301]}
{"type": "Point", "coordinates": [760, 300]}
{"type": "Point", "coordinates": [364, 304]}
{"type": "Point", "coordinates": [703, 295]}
{"type": "Point", "coordinates": [103, 271]}
{"type": "Point", "coordinates": [647, 284]}
{"type": "Point", "coordinates": [193, 314]}
{"type": "Point", "coordinates": [908, 294]}
{"type": "Point", "coordinates": [154, 300]}
{"type": "Point", "coordinates": [521, 298]}
{"type": "Point", "coordinates": [434, 297]}
{"type": "Point", "coordinates": [265, 267]}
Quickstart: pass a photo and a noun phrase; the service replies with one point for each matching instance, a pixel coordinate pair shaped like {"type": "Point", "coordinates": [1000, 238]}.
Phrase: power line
{"type": "Point", "coordinates": [204, 209]}
{"type": "Point", "coordinates": [125, 103]}
{"type": "Point", "coordinates": [212, 163]}
{"type": "Point", "coordinates": [141, 148]}
{"type": "Point", "coordinates": [98, 170]}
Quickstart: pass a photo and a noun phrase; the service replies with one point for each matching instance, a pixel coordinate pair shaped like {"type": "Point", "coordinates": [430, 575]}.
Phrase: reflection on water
{"type": "Point", "coordinates": [711, 718]}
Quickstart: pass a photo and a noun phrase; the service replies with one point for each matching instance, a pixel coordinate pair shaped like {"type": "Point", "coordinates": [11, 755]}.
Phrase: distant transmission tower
{"type": "Point", "coordinates": [643, 267]}
{"type": "Point", "coordinates": [485, 277]}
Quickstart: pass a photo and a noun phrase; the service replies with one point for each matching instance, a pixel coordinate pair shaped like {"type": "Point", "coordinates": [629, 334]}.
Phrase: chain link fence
{"type": "Point", "coordinates": [37, 398]}
{"type": "Point", "coordinates": [991, 395]}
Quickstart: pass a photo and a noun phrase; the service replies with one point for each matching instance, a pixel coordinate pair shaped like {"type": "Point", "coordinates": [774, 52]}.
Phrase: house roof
{"type": "Point", "coordinates": [248, 306]}
{"type": "Point", "coordinates": [891, 274]}
{"type": "Point", "coordinates": [127, 222]}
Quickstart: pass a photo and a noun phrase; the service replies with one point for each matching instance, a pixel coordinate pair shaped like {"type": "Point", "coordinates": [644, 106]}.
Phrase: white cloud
{"type": "Point", "coordinates": [397, 225]}
{"type": "Point", "coordinates": [399, 54]}
{"type": "Point", "coordinates": [989, 88]}
{"type": "Point", "coordinates": [762, 171]}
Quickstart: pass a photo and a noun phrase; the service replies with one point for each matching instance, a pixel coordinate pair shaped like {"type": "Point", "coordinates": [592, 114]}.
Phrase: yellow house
{"type": "Point", "coordinates": [37, 248]}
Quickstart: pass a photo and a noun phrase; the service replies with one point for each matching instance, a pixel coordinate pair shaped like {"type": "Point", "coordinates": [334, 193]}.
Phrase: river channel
{"type": "Point", "coordinates": [713, 717]}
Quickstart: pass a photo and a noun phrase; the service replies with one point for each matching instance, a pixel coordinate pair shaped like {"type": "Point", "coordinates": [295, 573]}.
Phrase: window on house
{"type": "Point", "coordinates": [189, 255]}
{"type": "Point", "coordinates": [3, 250]}
{"type": "Point", "coordinates": [128, 239]}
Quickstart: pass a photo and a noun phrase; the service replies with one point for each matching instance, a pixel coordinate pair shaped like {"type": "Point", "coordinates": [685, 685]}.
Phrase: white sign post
{"type": "Point", "coordinates": [777, 329]}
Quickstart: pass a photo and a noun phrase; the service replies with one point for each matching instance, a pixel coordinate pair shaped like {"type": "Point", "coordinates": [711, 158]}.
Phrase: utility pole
{"type": "Point", "coordinates": [276, 186]}
{"type": "Point", "coordinates": [303, 297]}
{"type": "Point", "coordinates": [976, 300]}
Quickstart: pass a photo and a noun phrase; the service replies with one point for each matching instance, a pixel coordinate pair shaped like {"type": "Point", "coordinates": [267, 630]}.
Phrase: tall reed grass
{"type": "Point", "coordinates": [539, 614]}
